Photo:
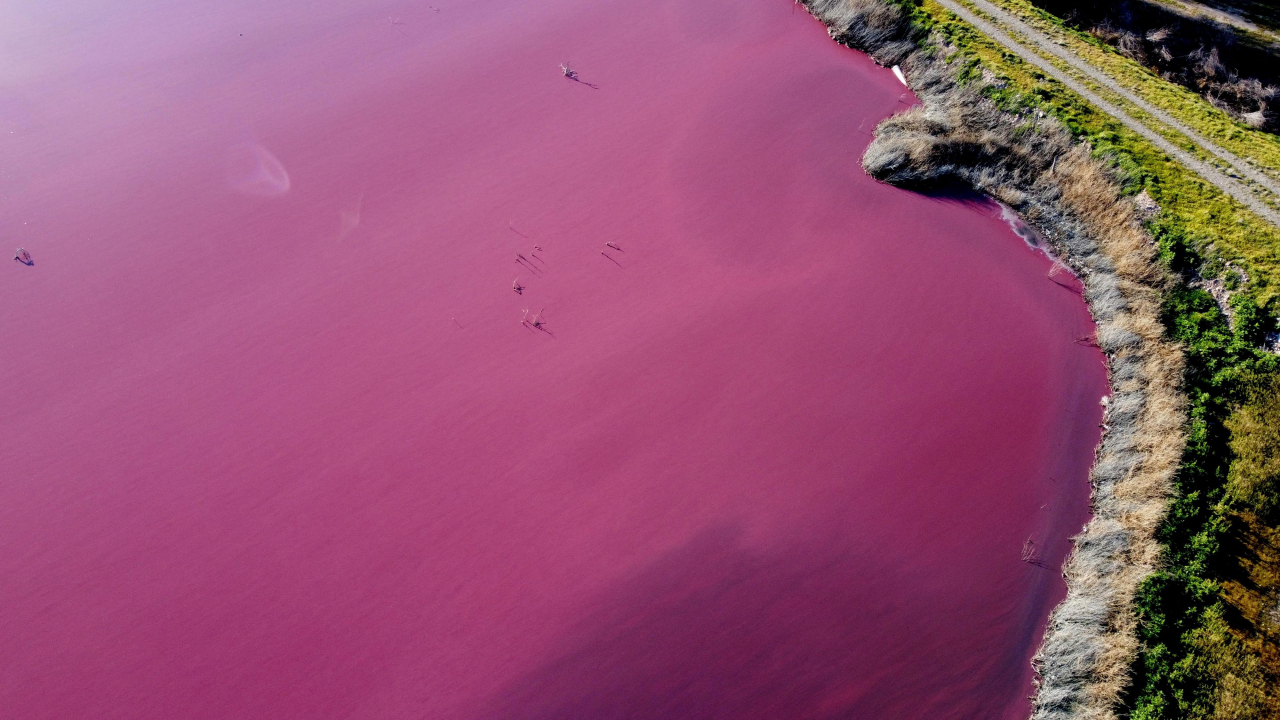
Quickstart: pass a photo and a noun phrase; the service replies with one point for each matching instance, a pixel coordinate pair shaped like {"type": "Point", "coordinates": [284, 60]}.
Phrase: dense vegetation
{"type": "Point", "coordinates": [1209, 617]}
{"type": "Point", "coordinates": [1182, 195]}
{"type": "Point", "coordinates": [1232, 71]}
{"type": "Point", "coordinates": [1193, 664]}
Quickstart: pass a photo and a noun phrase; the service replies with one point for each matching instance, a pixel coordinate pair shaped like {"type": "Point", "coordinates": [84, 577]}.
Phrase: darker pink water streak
{"type": "Point", "coordinates": [278, 443]}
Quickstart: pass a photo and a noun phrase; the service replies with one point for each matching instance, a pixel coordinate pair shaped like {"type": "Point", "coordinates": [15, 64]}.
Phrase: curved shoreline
{"type": "Point", "coordinates": [1033, 167]}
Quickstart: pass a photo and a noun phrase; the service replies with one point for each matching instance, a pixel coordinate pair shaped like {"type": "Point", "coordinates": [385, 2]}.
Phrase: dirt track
{"type": "Point", "coordinates": [1231, 186]}
{"type": "Point", "coordinates": [1200, 11]}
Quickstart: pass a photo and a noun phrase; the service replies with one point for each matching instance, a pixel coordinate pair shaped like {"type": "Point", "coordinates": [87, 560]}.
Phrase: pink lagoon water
{"type": "Point", "coordinates": [278, 444]}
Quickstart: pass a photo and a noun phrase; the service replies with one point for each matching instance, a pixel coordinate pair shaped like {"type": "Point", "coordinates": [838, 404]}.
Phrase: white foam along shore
{"type": "Point", "coordinates": [1032, 166]}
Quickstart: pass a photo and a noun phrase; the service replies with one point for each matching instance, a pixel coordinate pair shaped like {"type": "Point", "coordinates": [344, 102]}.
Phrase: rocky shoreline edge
{"type": "Point", "coordinates": [1032, 165]}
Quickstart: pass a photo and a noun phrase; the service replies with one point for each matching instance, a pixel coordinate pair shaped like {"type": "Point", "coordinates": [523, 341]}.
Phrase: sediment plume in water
{"type": "Point", "coordinates": [253, 170]}
{"type": "Point", "coordinates": [957, 136]}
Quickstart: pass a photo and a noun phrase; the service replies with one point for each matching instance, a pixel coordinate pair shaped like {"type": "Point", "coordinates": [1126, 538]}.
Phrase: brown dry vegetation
{"type": "Point", "coordinates": [1233, 72]}
{"type": "Point", "coordinates": [1255, 440]}
{"type": "Point", "coordinates": [1090, 194]}
{"type": "Point", "coordinates": [1055, 184]}
{"type": "Point", "coordinates": [1245, 645]}
{"type": "Point", "coordinates": [1251, 582]}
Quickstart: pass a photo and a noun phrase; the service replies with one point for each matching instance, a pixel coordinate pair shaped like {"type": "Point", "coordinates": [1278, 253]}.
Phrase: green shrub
{"type": "Point", "coordinates": [1191, 666]}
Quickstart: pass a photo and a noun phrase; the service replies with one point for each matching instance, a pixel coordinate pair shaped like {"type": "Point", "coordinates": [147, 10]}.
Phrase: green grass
{"type": "Point", "coordinates": [1189, 648]}
{"type": "Point", "coordinates": [1199, 659]}
{"type": "Point", "coordinates": [1183, 104]}
{"type": "Point", "coordinates": [1214, 224]}
{"type": "Point", "coordinates": [1255, 431]}
{"type": "Point", "coordinates": [1259, 12]}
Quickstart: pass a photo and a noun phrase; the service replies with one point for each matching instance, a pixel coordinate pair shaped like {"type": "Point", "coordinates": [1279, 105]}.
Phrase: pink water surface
{"type": "Point", "coordinates": [277, 444]}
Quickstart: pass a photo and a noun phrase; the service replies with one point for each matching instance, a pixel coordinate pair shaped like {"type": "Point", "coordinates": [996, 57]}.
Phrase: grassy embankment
{"type": "Point", "coordinates": [1209, 618]}
{"type": "Point", "coordinates": [1260, 148]}
{"type": "Point", "coordinates": [1265, 13]}
{"type": "Point", "coordinates": [1237, 235]}
{"type": "Point", "coordinates": [1229, 67]}
{"type": "Point", "coordinates": [1037, 167]}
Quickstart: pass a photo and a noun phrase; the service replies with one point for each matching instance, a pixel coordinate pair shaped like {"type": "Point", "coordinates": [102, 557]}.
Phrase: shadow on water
{"type": "Point", "coordinates": [1074, 289]}
{"type": "Point", "coordinates": [572, 74]}
{"type": "Point", "coordinates": [953, 193]}
{"type": "Point", "coordinates": [715, 629]}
